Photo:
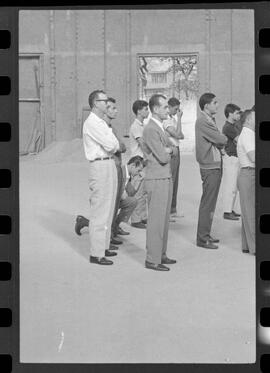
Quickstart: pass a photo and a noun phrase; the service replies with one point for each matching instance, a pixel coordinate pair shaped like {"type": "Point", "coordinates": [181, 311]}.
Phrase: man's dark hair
{"type": "Point", "coordinates": [230, 108]}
{"type": "Point", "coordinates": [136, 160]}
{"type": "Point", "coordinates": [138, 105]}
{"type": "Point", "coordinates": [111, 99]}
{"type": "Point", "coordinates": [245, 115]}
{"type": "Point", "coordinates": [93, 96]}
{"type": "Point", "coordinates": [173, 101]}
{"type": "Point", "coordinates": [154, 101]}
{"type": "Point", "coordinates": [206, 98]}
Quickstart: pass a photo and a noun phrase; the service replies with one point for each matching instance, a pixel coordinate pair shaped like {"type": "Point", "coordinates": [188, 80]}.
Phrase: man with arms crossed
{"type": "Point", "coordinates": [230, 161]}
{"type": "Point", "coordinates": [246, 180]}
{"type": "Point", "coordinates": [99, 145]}
{"type": "Point", "coordinates": [158, 185]}
{"type": "Point", "coordinates": [174, 129]}
{"type": "Point", "coordinates": [209, 141]}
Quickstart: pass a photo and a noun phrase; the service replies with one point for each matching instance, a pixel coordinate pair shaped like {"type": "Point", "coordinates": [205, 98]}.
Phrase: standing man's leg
{"type": "Point", "coordinates": [157, 213]}
{"type": "Point", "coordinates": [175, 165]}
{"type": "Point", "coordinates": [246, 184]}
{"type": "Point", "coordinates": [167, 217]}
{"type": "Point", "coordinates": [211, 182]}
{"type": "Point", "coordinates": [117, 199]}
{"type": "Point", "coordinates": [102, 184]}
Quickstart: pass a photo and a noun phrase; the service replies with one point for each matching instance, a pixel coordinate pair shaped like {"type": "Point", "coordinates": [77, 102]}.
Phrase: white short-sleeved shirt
{"type": "Point", "coordinates": [98, 138]}
{"type": "Point", "coordinates": [171, 122]}
{"type": "Point", "coordinates": [135, 132]}
{"type": "Point", "coordinates": [245, 144]}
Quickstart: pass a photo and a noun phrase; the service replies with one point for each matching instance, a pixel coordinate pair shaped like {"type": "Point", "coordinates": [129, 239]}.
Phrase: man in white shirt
{"type": "Point", "coordinates": [173, 128]}
{"type": "Point", "coordinates": [140, 109]}
{"type": "Point", "coordinates": [246, 180]}
{"type": "Point", "coordinates": [99, 146]}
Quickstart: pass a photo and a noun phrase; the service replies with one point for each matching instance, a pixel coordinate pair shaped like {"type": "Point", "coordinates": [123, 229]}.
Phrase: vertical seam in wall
{"type": "Point", "coordinates": [129, 61]}
{"type": "Point", "coordinates": [52, 73]}
{"type": "Point", "coordinates": [231, 92]}
{"type": "Point", "coordinates": [76, 122]}
{"type": "Point", "coordinates": [104, 51]}
{"type": "Point", "coordinates": [210, 49]}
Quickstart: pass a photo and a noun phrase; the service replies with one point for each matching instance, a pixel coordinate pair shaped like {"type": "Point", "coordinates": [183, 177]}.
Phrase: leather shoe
{"type": "Point", "coordinates": [156, 267]}
{"type": "Point", "coordinates": [138, 225]}
{"type": "Point", "coordinates": [167, 260]}
{"type": "Point", "coordinates": [112, 247]}
{"type": "Point", "coordinates": [102, 261]}
{"type": "Point", "coordinates": [245, 251]}
{"type": "Point", "coordinates": [235, 214]}
{"type": "Point", "coordinates": [207, 245]}
{"type": "Point", "coordinates": [122, 232]}
{"type": "Point", "coordinates": [115, 241]}
{"type": "Point", "coordinates": [213, 240]}
{"type": "Point", "coordinates": [81, 222]}
{"type": "Point", "coordinates": [144, 221]}
{"type": "Point", "coordinates": [230, 216]}
{"type": "Point", "coordinates": [110, 253]}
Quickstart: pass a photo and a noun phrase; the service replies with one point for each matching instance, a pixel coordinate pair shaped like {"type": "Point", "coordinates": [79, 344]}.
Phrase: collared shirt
{"type": "Point", "coordinates": [135, 132]}
{"type": "Point", "coordinates": [160, 124]}
{"type": "Point", "coordinates": [246, 144]}
{"type": "Point", "coordinates": [98, 139]}
{"type": "Point", "coordinates": [231, 131]}
{"type": "Point", "coordinates": [171, 122]}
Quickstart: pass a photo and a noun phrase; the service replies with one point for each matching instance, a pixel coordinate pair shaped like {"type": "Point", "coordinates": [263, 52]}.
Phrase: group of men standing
{"type": "Point", "coordinates": [231, 152]}
{"type": "Point", "coordinates": [145, 190]}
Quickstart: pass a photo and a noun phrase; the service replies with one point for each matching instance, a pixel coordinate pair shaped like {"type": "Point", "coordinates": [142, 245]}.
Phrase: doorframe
{"type": "Point", "coordinates": [40, 100]}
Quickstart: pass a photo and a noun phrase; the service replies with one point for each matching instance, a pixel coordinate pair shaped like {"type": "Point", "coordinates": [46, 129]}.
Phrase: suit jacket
{"type": "Point", "coordinates": [126, 184]}
{"type": "Point", "coordinates": [158, 160]}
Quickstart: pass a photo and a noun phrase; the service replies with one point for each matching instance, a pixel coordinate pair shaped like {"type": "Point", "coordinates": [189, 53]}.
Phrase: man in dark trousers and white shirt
{"type": "Point", "coordinates": [209, 142]}
{"type": "Point", "coordinates": [158, 185]}
{"type": "Point", "coordinates": [99, 145]}
{"type": "Point", "coordinates": [173, 127]}
{"type": "Point", "coordinates": [230, 161]}
{"type": "Point", "coordinates": [246, 180]}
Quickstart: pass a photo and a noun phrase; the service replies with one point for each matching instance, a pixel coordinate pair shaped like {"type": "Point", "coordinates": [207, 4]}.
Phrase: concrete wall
{"type": "Point", "coordinates": [89, 49]}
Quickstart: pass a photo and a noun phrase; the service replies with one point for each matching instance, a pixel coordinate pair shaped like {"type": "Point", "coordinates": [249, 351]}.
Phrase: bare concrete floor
{"type": "Point", "coordinates": [202, 311]}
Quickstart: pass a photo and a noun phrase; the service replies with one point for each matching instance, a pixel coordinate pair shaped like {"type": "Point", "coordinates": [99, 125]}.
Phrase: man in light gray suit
{"type": "Point", "coordinates": [158, 185]}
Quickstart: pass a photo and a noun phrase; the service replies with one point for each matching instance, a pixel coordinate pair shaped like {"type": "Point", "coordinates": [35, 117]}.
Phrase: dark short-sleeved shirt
{"type": "Point", "coordinates": [231, 131]}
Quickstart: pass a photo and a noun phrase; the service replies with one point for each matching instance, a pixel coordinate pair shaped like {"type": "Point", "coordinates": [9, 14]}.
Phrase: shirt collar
{"type": "Point", "coordinates": [158, 123]}
{"type": "Point", "coordinates": [209, 117]}
{"type": "Point", "coordinates": [138, 121]}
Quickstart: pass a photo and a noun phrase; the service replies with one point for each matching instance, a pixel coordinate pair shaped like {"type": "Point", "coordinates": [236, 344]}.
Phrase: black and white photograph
{"type": "Point", "coordinates": [137, 185]}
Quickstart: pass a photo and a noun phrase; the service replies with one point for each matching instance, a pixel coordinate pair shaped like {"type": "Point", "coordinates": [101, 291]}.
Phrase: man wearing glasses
{"type": "Point", "coordinates": [99, 146]}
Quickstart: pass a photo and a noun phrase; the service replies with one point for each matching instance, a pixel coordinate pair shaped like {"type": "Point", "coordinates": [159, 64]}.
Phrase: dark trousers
{"type": "Point", "coordinates": [118, 198]}
{"type": "Point", "coordinates": [210, 183]}
{"type": "Point", "coordinates": [175, 164]}
{"type": "Point", "coordinates": [246, 185]}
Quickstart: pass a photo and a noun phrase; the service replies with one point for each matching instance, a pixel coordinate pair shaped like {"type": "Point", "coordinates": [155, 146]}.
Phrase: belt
{"type": "Point", "coordinates": [101, 159]}
{"type": "Point", "coordinates": [248, 168]}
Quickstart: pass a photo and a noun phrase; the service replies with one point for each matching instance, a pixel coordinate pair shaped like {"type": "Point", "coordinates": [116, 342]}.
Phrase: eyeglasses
{"type": "Point", "coordinates": [105, 100]}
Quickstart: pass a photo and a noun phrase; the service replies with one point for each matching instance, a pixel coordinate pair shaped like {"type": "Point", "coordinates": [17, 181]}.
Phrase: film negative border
{"type": "Point", "coordinates": [262, 86]}
{"type": "Point", "coordinates": [9, 208]}
{"type": "Point", "coordinates": [8, 185]}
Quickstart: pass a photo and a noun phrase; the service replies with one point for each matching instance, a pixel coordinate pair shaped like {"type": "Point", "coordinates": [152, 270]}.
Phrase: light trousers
{"type": "Point", "coordinates": [103, 189]}
{"type": "Point", "coordinates": [159, 195]}
{"type": "Point", "coordinates": [246, 185]}
{"type": "Point", "coordinates": [229, 188]}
